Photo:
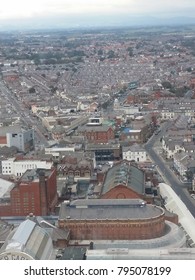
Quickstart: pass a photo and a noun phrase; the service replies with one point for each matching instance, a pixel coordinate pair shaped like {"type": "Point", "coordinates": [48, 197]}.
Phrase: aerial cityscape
{"type": "Point", "coordinates": [97, 134]}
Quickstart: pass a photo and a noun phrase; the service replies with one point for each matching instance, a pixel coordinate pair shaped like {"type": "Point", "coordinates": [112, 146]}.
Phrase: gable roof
{"type": "Point", "coordinates": [124, 173]}
{"type": "Point", "coordinates": [134, 148]}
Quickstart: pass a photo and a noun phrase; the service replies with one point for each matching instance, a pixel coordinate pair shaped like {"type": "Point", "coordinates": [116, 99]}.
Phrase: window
{"type": "Point", "coordinates": [87, 173]}
{"type": "Point", "coordinates": [77, 173]}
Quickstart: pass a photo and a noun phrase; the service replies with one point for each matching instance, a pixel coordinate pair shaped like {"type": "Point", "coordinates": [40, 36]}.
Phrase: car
{"type": "Point", "coordinates": [157, 131]}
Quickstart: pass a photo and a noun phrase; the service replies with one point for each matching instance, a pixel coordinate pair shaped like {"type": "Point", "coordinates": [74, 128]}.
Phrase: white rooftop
{"type": "Point", "coordinates": [174, 204]}
{"type": "Point", "coordinates": [5, 186]}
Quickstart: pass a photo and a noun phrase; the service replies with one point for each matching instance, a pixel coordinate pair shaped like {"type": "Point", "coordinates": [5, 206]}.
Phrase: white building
{"type": "Point", "coordinates": [23, 140]}
{"type": "Point", "coordinates": [17, 136]}
{"type": "Point", "coordinates": [57, 150]}
{"type": "Point", "coordinates": [135, 153]}
{"type": "Point", "coordinates": [171, 147]}
{"type": "Point", "coordinates": [180, 161]}
{"type": "Point", "coordinates": [167, 115]}
{"type": "Point", "coordinates": [18, 167]}
{"type": "Point", "coordinates": [129, 110]}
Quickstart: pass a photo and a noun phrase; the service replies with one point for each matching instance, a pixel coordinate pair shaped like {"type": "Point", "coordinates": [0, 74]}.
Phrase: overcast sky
{"type": "Point", "coordinates": [36, 9]}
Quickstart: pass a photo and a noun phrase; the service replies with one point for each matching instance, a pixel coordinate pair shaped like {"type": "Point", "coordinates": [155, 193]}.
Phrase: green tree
{"type": "Point", "coordinates": [167, 85]}
{"type": "Point", "coordinates": [100, 52]}
{"type": "Point", "coordinates": [130, 51]}
{"type": "Point", "coordinates": [32, 90]}
{"type": "Point", "coordinates": [110, 54]}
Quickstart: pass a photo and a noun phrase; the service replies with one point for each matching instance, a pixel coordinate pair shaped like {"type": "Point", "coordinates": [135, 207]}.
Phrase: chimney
{"type": "Point", "coordinates": [43, 193]}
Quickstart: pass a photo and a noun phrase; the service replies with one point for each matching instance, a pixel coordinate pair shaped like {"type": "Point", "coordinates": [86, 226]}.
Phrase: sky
{"type": "Point", "coordinates": [78, 12]}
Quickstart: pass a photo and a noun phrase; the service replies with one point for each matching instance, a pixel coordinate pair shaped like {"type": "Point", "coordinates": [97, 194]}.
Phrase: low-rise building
{"type": "Point", "coordinates": [134, 153]}
{"type": "Point", "coordinates": [167, 115]}
{"type": "Point", "coordinates": [105, 152]}
{"type": "Point", "coordinates": [76, 167]}
{"type": "Point", "coordinates": [171, 146]}
{"type": "Point", "coordinates": [125, 180]}
{"type": "Point", "coordinates": [138, 131]}
{"type": "Point", "coordinates": [97, 134]}
{"type": "Point", "coordinates": [15, 167]}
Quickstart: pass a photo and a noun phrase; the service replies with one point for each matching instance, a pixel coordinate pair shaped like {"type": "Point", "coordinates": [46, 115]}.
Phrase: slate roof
{"type": "Point", "coordinates": [127, 174]}
{"type": "Point", "coordinates": [102, 128]}
{"type": "Point", "coordinates": [134, 148]}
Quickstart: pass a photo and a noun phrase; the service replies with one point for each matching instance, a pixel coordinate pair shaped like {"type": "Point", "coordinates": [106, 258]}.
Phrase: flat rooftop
{"type": "Point", "coordinates": [33, 175]}
{"type": "Point", "coordinates": [111, 209]}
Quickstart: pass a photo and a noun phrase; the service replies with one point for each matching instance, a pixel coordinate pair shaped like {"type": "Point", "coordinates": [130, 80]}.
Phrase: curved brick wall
{"type": "Point", "coordinates": [115, 229]}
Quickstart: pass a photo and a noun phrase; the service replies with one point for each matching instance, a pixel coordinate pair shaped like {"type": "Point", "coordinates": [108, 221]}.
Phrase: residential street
{"type": "Point", "coordinates": [167, 174]}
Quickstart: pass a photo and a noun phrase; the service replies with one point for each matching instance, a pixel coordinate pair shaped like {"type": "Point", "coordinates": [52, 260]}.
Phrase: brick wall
{"type": "Point", "coordinates": [120, 191]}
{"type": "Point", "coordinates": [115, 230]}
{"type": "Point", "coordinates": [26, 198]}
{"type": "Point", "coordinates": [5, 210]}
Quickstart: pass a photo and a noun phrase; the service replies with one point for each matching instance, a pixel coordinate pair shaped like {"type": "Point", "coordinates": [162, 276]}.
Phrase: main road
{"type": "Point", "coordinates": [170, 178]}
{"type": "Point", "coordinates": [25, 117]}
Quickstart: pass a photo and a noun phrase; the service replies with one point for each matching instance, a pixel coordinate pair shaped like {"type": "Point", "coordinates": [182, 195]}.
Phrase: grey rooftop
{"type": "Point", "coordinates": [111, 209]}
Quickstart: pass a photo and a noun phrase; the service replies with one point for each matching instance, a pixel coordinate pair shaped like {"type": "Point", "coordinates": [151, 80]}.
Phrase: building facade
{"type": "Point", "coordinates": [134, 153]}
{"type": "Point", "coordinates": [15, 167]}
{"type": "Point", "coordinates": [23, 140]}
{"type": "Point", "coordinates": [35, 192]}
{"type": "Point", "coordinates": [106, 152]}
{"type": "Point", "coordinates": [97, 134]}
{"type": "Point", "coordinates": [110, 219]}
{"type": "Point", "coordinates": [124, 180]}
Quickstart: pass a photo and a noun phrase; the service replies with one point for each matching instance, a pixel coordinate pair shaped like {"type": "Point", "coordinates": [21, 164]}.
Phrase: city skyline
{"type": "Point", "coordinates": [77, 13]}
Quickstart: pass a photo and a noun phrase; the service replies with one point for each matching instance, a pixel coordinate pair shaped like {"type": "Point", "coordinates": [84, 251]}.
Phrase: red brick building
{"type": "Point", "coordinates": [75, 166]}
{"type": "Point", "coordinates": [139, 131]}
{"type": "Point", "coordinates": [192, 83]}
{"type": "Point", "coordinates": [125, 180]}
{"type": "Point", "coordinates": [112, 219]}
{"type": "Point", "coordinates": [3, 141]}
{"type": "Point", "coordinates": [35, 192]}
{"type": "Point", "coordinates": [10, 76]}
{"type": "Point", "coordinates": [97, 134]}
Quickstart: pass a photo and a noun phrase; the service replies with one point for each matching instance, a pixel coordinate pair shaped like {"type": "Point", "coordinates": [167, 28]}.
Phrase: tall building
{"type": "Point", "coordinates": [35, 192]}
{"type": "Point", "coordinates": [23, 140]}
{"type": "Point", "coordinates": [17, 136]}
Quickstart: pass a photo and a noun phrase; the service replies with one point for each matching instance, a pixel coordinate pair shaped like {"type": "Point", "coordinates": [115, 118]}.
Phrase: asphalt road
{"type": "Point", "coordinates": [168, 175]}
{"type": "Point", "coordinates": [26, 118]}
